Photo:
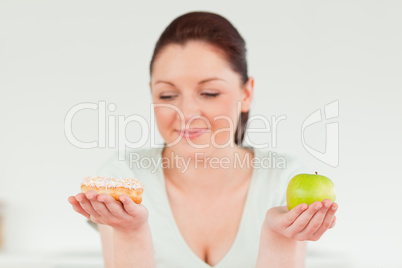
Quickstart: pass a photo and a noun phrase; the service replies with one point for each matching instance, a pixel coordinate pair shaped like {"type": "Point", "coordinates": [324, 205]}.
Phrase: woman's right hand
{"type": "Point", "coordinates": [104, 209]}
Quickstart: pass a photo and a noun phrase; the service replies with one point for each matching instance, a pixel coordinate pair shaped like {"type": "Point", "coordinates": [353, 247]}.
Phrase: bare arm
{"type": "Point", "coordinates": [279, 251]}
{"type": "Point", "coordinates": [133, 250]}
{"type": "Point", "coordinates": [125, 232]}
{"type": "Point", "coordinates": [106, 234]}
{"type": "Point", "coordinates": [126, 250]}
{"type": "Point", "coordinates": [284, 235]}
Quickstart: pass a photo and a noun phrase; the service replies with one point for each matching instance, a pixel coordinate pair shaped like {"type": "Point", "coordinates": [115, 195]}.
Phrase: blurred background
{"type": "Point", "coordinates": [303, 55]}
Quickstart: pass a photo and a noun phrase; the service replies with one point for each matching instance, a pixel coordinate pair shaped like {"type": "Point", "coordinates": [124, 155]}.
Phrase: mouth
{"type": "Point", "coordinates": [192, 133]}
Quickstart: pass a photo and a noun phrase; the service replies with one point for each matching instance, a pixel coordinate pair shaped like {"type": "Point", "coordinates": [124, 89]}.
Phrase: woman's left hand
{"type": "Point", "coordinates": [302, 222]}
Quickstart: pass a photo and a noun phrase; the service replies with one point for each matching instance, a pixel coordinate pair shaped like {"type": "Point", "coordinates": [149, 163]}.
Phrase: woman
{"type": "Point", "coordinates": [202, 211]}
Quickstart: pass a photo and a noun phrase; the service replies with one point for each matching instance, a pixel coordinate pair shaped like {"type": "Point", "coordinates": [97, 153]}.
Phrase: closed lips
{"type": "Point", "coordinates": [194, 130]}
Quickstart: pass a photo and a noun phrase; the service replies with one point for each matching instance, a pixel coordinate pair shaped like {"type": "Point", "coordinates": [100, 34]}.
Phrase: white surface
{"type": "Point", "coordinates": [303, 55]}
{"type": "Point", "coordinates": [94, 260]}
{"type": "Point", "coordinates": [43, 260]}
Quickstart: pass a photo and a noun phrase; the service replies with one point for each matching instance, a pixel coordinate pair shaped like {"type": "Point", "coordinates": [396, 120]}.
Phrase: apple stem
{"type": "Point", "coordinates": [316, 173]}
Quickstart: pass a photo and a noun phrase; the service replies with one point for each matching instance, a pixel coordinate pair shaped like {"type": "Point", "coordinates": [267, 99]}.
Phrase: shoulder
{"type": "Point", "coordinates": [279, 162]}
{"type": "Point", "coordinates": [274, 170]}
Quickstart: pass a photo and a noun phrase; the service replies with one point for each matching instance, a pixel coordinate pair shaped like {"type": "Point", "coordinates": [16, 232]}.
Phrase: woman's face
{"type": "Point", "coordinates": [198, 98]}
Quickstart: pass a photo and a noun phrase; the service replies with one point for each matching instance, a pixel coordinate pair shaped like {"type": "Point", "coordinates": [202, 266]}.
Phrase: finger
{"type": "Point", "coordinates": [129, 206]}
{"type": "Point", "coordinates": [327, 222]}
{"type": "Point", "coordinates": [96, 219]}
{"type": "Point", "coordinates": [293, 214]}
{"type": "Point", "coordinates": [317, 221]}
{"type": "Point", "coordinates": [77, 207]}
{"type": "Point", "coordinates": [301, 222]}
{"type": "Point", "coordinates": [333, 223]}
{"type": "Point", "coordinates": [86, 204]}
{"type": "Point", "coordinates": [99, 207]}
{"type": "Point", "coordinates": [115, 207]}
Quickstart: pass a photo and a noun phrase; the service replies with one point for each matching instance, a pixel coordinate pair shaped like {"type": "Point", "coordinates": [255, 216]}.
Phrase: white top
{"type": "Point", "coordinates": [271, 174]}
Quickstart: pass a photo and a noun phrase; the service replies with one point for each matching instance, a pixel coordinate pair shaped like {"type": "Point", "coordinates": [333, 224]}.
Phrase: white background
{"type": "Point", "coordinates": [303, 56]}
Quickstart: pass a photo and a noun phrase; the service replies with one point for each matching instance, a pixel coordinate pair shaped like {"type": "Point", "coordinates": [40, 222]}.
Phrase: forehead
{"type": "Point", "coordinates": [195, 59]}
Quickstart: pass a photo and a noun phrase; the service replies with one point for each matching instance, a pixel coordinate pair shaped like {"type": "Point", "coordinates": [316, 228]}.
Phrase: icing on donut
{"type": "Point", "coordinates": [112, 182]}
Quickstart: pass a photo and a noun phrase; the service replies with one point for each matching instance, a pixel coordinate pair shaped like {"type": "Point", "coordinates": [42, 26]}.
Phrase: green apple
{"type": "Point", "coordinates": [308, 188]}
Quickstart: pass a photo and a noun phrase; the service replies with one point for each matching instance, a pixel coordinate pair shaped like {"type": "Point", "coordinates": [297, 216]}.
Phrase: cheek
{"type": "Point", "coordinates": [225, 114]}
{"type": "Point", "coordinates": [164, 118]}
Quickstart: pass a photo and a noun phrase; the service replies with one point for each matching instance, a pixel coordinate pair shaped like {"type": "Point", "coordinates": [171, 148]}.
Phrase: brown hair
{"type": "Point", "coordinates": [215, 30]}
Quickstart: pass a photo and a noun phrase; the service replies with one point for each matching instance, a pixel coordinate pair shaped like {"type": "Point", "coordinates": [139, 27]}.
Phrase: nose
{"type": "Point", "coordinates": [190, 109]}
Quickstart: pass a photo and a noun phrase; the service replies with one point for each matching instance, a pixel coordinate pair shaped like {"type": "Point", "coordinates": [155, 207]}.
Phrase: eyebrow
{"type": "Point", "coordinates": [201, 82]}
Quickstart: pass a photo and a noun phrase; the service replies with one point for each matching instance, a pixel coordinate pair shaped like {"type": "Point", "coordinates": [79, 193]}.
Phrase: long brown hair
{"type": "Point", "coordinates": [215, 30]}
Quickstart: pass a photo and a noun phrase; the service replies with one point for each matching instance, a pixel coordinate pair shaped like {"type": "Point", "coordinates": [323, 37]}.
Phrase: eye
{"type": "Point", "coordinates": [210, 95]}
{"type": "Point", "coordinates": [166, 97]}
{"type": "Point", "coordinates": [207, 95]}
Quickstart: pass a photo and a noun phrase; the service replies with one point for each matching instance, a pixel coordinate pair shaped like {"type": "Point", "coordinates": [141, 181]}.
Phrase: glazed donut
{"type": "Point", "coordinates": [114, 187]}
